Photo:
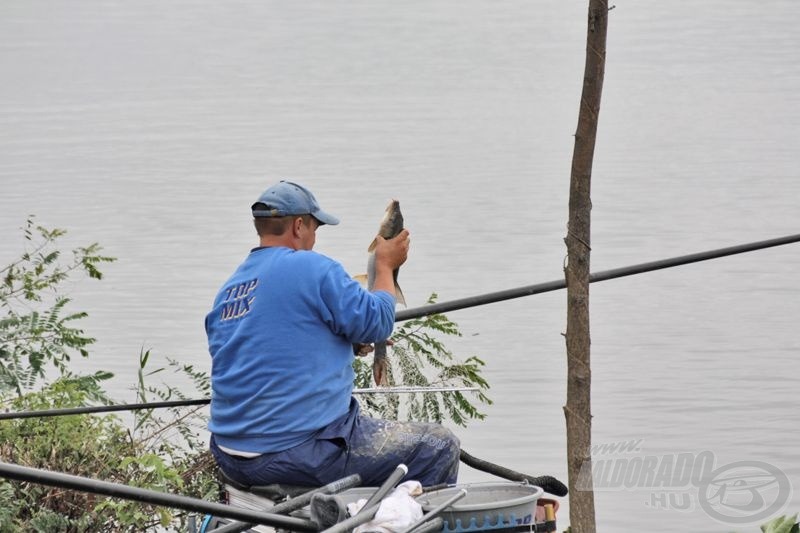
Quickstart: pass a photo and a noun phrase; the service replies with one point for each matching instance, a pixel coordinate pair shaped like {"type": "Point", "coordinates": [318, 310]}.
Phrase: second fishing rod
{"type": "Point", "coordinates": [453, 305]}
{"type": "Point", "coordinates": [539, 288]}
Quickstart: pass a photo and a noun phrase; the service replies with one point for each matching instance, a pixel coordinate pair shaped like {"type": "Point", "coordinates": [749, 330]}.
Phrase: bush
{"type": "Point", "coordinates": [100, 447]}
{"type": "Point", "coordinates": [38, 334]}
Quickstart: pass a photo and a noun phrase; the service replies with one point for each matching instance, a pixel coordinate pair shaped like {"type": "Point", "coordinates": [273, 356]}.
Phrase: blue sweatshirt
{"type": "Point", "coordinates": [280, 336]}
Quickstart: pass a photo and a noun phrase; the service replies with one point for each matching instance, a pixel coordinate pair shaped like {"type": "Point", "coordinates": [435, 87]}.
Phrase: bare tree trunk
{"type": "Point", "coordinates": [577, 411]}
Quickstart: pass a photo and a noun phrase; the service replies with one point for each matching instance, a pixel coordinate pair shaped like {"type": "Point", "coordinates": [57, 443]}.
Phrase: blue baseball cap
{"type": "Point", "coordinates": [286, 199]}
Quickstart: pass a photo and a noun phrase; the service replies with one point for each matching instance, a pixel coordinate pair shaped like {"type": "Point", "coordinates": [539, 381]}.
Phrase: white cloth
{"type": "Point", "coordinates": [397, 510]}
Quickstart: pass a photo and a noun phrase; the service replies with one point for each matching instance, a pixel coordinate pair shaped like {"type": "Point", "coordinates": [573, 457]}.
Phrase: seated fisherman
{"type": "Point", "coordinates": [281, 335]}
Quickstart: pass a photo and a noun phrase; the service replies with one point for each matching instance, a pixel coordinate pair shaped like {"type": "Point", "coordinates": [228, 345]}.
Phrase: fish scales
{"type": "Point", "coordinates": [391, 226]}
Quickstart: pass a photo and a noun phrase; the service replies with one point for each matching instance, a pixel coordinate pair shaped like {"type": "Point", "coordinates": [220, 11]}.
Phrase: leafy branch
{"type": "Point", "coordinates": [782, 524]}
{"type": "Point", "coordinates": [31, 338]}
{"type": "Point", "coordinates": [419, 358]}
{"type": "Point", "coordinates": [37, 332]}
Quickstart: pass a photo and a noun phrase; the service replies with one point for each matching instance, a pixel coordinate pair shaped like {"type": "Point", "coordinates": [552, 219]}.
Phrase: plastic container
{"type": "Point", "coordinates": [487, 506]}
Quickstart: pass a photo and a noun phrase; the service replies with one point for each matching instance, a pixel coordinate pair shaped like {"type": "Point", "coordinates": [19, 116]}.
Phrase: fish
{"type": "Point", "coordinates": [391, 226]}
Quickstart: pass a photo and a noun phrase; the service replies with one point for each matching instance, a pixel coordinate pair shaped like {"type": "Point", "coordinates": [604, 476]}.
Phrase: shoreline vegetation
{"type": "Point", "coordinates": [155, 449]}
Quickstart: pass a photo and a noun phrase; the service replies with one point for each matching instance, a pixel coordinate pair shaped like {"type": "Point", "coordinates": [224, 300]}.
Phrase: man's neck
{"type": "Point", "coordinates": [284, 240]}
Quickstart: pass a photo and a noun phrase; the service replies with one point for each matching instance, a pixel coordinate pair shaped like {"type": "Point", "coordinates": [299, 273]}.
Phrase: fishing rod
{"type": "Point", "coordinates": [452, 305]}
{"type": "Point", "coordinates": [529, 290]}
{"type": "Point", "coordinates": [126, 492]}
{"type": "Point", "coordinates": [94, 409]}
{"type": "Point", "coordinates": [547, 483]}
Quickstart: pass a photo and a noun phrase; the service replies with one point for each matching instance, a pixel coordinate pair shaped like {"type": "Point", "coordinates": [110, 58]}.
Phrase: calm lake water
{"type": "Point", "coordinates": [151, 126]}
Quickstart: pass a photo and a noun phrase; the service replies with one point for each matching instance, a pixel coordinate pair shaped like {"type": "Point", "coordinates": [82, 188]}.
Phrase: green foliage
{"type": "Point", "coordinates": [9, 506]}
{"type": "Point", "coordinates": [81, 445]}
{"type": "Point", "coordinates": [419, 358]}
{"type": "Point", "coordinates": [161, 452]}
{"type": "Point", "coordinates": [100, 447]}
{"type": "Point", "coordinates": [176, 432]}
{"type": "Point", "coordinates": [174, 427]}
{"type": "Point", "coordinates": [782, 524]}
{"type": "Point", "coordinates": [170, 456]}
{"type": "Point", "coordinates": [37, 328]}
{"type": "Point", "coordinates": [149, 471]}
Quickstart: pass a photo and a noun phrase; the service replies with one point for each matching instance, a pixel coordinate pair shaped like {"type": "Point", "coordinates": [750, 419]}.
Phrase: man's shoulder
{"type": "Point", "coordinates": [263, 255]}
{"type": "Point", "coordinates": [308, 261]}
{"type": "Point", "coordinates": [312, 257]}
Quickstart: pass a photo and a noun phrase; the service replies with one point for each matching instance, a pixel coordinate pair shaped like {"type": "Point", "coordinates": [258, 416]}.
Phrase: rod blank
{"type": "Point", "coordinates": [393, 479]}
{"type": "Point", "coordinates": [453, 305]}
{"type": "Point", "coordinates": [529, 290]}
{"type": "Point", "coordinates": [94, 409]}
{"type": "Point", "coordinates": [117, 490]}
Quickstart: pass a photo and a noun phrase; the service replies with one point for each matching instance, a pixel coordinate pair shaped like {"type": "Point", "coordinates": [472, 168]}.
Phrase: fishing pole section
{"type": "Point", "coordinates": [530, 290]}
{"type": "Point", "coordinates": [454, 305]}
{"type": "Point", "coordinates": [548, 483]}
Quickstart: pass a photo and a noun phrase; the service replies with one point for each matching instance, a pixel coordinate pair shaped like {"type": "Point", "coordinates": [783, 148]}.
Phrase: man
{"type": "Point", "coordinates": [281, 336]}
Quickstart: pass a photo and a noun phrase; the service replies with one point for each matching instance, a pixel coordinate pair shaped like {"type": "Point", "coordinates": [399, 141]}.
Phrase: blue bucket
{"type": "Point", "coordinates": [487, 506]}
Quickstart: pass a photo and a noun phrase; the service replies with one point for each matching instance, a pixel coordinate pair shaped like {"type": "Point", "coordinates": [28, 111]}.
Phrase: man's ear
{"type": "Point", "coordinates": [296, 224]}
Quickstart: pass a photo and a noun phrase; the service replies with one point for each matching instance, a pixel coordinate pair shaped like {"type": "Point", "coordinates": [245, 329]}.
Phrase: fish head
{"type": "Point", "coordinates": [392, 222]}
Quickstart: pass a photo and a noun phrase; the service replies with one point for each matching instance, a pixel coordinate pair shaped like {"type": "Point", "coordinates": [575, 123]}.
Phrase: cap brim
{"type": "Point", "coordinates": [325, 218]}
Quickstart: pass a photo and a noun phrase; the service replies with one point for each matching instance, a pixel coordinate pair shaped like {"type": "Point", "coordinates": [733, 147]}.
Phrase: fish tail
{"type": "Point", "coordinates": [380, 364]}
{"type": "Point", "coordinates": [398, 294]}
